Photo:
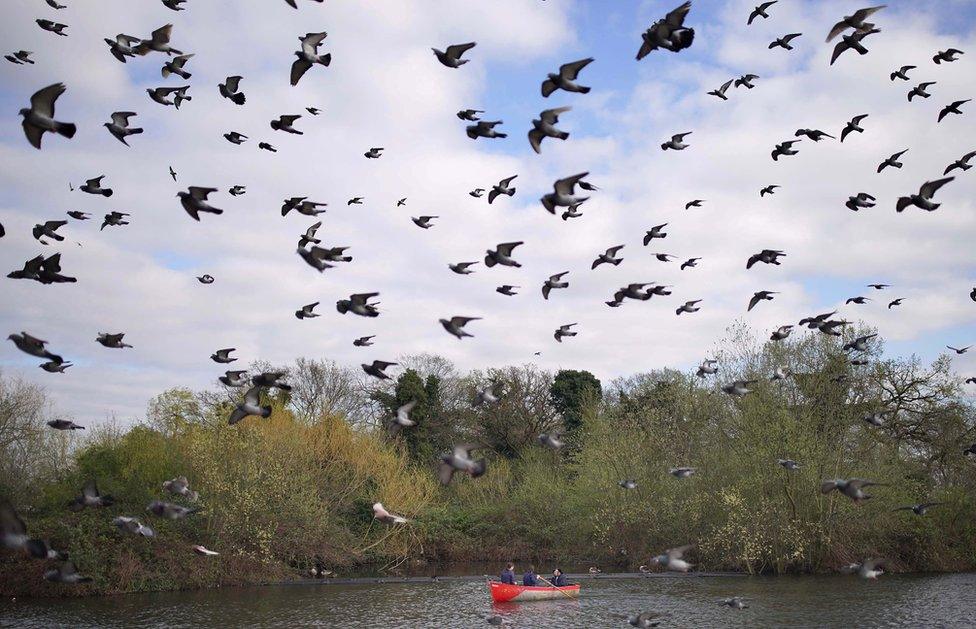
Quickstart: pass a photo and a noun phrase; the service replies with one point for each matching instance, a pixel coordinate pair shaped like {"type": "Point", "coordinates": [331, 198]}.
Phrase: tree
{"type": "Point", "coordinates": [432, 432]}
{"type": "Point", "coordinates": [571, 391]}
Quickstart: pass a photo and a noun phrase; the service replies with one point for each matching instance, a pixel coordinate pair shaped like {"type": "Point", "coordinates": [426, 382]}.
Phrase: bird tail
{"type": "Point", "coordinates": [501, 135]}
{"type": "Point", "coordinates": [165, 71]}
{"type": "Point", "coordinates": [511, 192]}
{"type": "Point", "coordinates": [325, 59]}
{"type": "Point", "coordinates": [265, 412]}
{"type": "Point", "coordinates": [563, 135]}
{"type": "Point", "coordinates": [106, 192]}
{"type": "Point", "coordinates": [479, 468]}
{"type": "Point", "coordinates": [135, 131]}
{"type": "Point", "coordinates": [584, 90]}
{"type": "Point", "coordinates": [239, 98]}
{"type": "Point", "coordinates": [489, 262]}
{"type": "Point", "coordinates": [66, 129]}
{"type": "Point", "coordinates": [616, 262]}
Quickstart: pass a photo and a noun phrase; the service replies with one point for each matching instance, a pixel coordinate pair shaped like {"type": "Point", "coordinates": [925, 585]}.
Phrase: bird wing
{"type": "Point", "coordinates": [382, 364]}
{"type": "Point", "coordinates": [676, 18]}
{"type": "Point", "coordinates": [456, 50]}
{"type": "Point", "coordinates": [121, 118]}
{"type": "Point", "coordinates": [566, 186]}
{"type": "Point", "coordinates": [311, 41]}
{"type": "Point", "coordinates": [445, 472]}
{"type": "Point", "coordinates": [506, 248]}
{"type": "Point", "coordinates": [551, 116]}
{"type": "Point", "coordinates": [755, 300]}
{"type": "Point", "coordinates": [42, 102]}
{"type": "Point", "coordinates": [360, 299]}
{"type": "Point", "coordinates": [200, 194]}
{"type": "Point", "coordinates": [570, 71]}
{"type": "Point", "coordinates": [298, 69]}
{"type": "Point", "coordinates": [289, 120]}
{"type": "Point", "coordinates": [504, 183]}
{"type": "Point", "coordinates": [232, 83]}
{"type": "Point", "coordinates": [460, 322]}
{"type": "Point", "coordinates": [929, 188]}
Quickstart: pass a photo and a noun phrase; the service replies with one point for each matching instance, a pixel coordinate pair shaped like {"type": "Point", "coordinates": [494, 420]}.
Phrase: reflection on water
{"type": "Point", "coordinates": [827, 601]}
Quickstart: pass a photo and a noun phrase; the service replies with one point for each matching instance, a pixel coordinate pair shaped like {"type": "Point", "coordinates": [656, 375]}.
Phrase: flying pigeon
{"type": "Point", "coordinates": [57, 28]}
{"type": "Point", "coordinates": [309, 56]}
{"type": "Point", "coordinates": [39, 117]}
{"type": "Point", "coordinates": [484, 129]}
{"type": "Point", "coordinates": [946, 55]}
{"type": "Point", "coordinates": [855, 21]}
{"type": "Point", "coordinates": [358, 304]}
{"type": "Point", "coordinates": [462, 268]}
{"type": "Point", "coordinates": [158, 42]}
{"type": "Point", "coordinates": [94, 186]}
{"type": "Point", "coordinates": [766, 256]}
{"type": "Point", "coordinates": [132, 526]}
{"type": "Point", "coordinates": [852, 488]}
{"type": "Point", "coordinates": [962, 163]}
{"type": "Point", "coordinates": [169, 510]}
{"type": "Point", "coordinates": [376, 369]}
{"type": "Point", "coordinates": [194, 201]}
{"type": "Point", "coordinates": [707, 368]}
{"type": "Point", "coordinates": [760, 11]}
{"type": "Point", "coordinates": [380, 513]}
{"type": "Point", "coordinates": [48, 229]}
{"type": "Point", "coordinates": [760, 296]}
{"type": "Point", "coordinates": [735, 602]}
{"type": "Point", "coordinates": [896, 302]}
{"type": "Point", "coordinates": [852, 41]}
{"type": "Point", "coordinates": [770, 189]}
{"type": "Point", "coordinates": [180, 486]}
{"type": "Point", "coordinates": [230, 89]}
{"type": "Point", "coordinates": [502, 254]}
{"type": "Point", "coordinates": [923, 199]}
{"type": "Point", "coordinates": [250, 405]}
{"type": "Point", "coordinates": [784, 41]}
{"type": "Point", "coordinates": [222, 356]}
{"type": "Point", "coordinates": [455, 325]}
{"type": "Point", "coordinates": [423, 222]}
{"type": "Point", "coordinates": [564, 330]}
{"type": "Point", "coordinates": [565, 80]}
{"type": "Point", "coordinates": [892, 161]}
{"type": "Point", "coordinates": [554, 282]}
{"type": "Point", "coordinates": [175, 66]}
{"type": "Point", "coordinates": [233, 379]}
{"type": "Point", "coordinates": [859, 300]}
{"type": "Point", "coordinates": [551, 441]}
{"type": "Point", "coordinates": [720, 92]}
{"type": "Point", "coordinates": [477, 192]}
{"type": "Point", "coordinates": [112, 341]}
{"type": "Point", "coordinates": [879, 286]}
{"type": "Point", "coordinates": [364, 341]}
{"type": "Point", "coordinates": [264, 146]}
{"type": "Point", "coordinates": [544, 127]}
{"type": "Point", "coordinates": [688, 306]}
{"type": "Point", "coordinates": [814, 134]}
{"type": "Point", "coordinates": [853, 125]}
{"type": "Point", "coordinates": [669, 33]}
{"type": "Point", "coordinates": [161, 94]}
{"type": "Point", "coordinates": [655, 232]}
{"type": "Point", "coordinates": [90, 497]}
{"type": "Point", "coordinates": [119, 126]}
{"type": "Point", "coordinates": [902, 73]}
{"type": "Point", "coordinates": [20, 57]}
{"type": "Point", "coordinates": [919, 90]}
{"type": "Point", "coordinates": [689, 263]}
{"type": "Point", "coordinates": [959, 350]}
{"type": "Point", "coordinates": [784, 148]}
{"type": "Point", "coordinates": [114, 219]}
{"type": "Point", "coordinates": [471, 115]}
{"type": "Point", "coordinates": [122, 46]}
{"type": "Point", "coordinates": [952, 108]}
{"type": "Point", "coordinates": [374, 153]}
{"type": "Point", "coordinates": [564, 193]}
{"type": "Point", "coordinates": [738, 388]}
{"type": "Point", "coordinates": [672, 559]}
{"type": "Point", "coordinates": [746, 81]}
{"type": "Point", "coordinates": [459, 460]}
{"type": "Point", "coordinates": [507, 289]}
{"type": "Point", "coordinates": [305, 312]}
{"type": "Point", "coordinates": [788, 464]}
{"type": "Point", "coordinates": [284, 123]}
{"type": "Point", "coordinates": [676, 143]}
{"type": "Point", "coordinates": [66, 573]}
{"type": "Point", "coordinates": [174, 4]}
{"type": "Point", "coordinates": [451, 57]}
{"type": "Point", "coordinates": [401, 419]}
{"type": "Point", "coordinates": [860, 200]}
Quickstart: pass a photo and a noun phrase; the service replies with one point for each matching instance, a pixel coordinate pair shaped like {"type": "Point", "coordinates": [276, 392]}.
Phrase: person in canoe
{"type": "Point", "coordinates": [508, 574]}
{"type": "Point", "coordinates": [530, 578]}
{"type": "Point", "coordinates": [558, 578]}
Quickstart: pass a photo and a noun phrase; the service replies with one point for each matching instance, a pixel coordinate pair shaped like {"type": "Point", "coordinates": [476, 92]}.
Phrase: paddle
{"type": "Point", "coordinates": [557, 588]}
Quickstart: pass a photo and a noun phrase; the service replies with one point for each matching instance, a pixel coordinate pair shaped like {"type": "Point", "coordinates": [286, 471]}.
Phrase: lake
{"type": "Point", "coordinates": [803, 601]}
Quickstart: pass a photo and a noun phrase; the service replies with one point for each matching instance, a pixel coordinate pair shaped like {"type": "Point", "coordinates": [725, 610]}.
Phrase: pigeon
{"type": "Point", "coordinates": [364, 341]}
{"type": "Point", "coordinates": [271, 379]}
{"type": "Point", "coordinates": [90, 497]}
{"type": "Point", "coordinates": [507, 289]}
{"type": "Point", "coordinates": [57, 28]}
{"type": "Point", "coordinates": [852, 41]}
{"type": "Point", "coordinates": [814, 134]}
{"type": "Point", "coordinates": [114, 219]}
{"type": "Point", "coordinates": [738, 388]}
{"type": "Point", "coordinates": [43, 270]}
{"type": "Point", "coordinates": [879, 286]}
{"type": "Point", "coordinates": [401, 419]}
{"type": "Point", "coordinates": [694, 203]}
{"type": "Point", "coordinates": [423, 222]}
{"type": "Point", "coordinates": [632, 291]}
{"type": "Point", "coordinates": [172, 173]}
{"type": "Point", "coordinates": [451, 57]}
{"type": "Point", "coordinates": [746, 81]}
{"type": "Point", "coordinates": [222, 356]}
{"type": "Point", "coordinates": [132, 526]}
{"type": "Point", "coordinates": [855, 21]}
{"type": "Point", "coordinates": [319, 258]}
{"type": "Point", "coordinates": [720, 92]}
{"type": "Point", "coordinates": [565, 80]}
{"type": "Point", "coordinates": [54, 367]}
{"type": "Point", "coordinates": [233, 379]}
{"type": "Point", "coordinates": [293, 4]}
{"type": "Point", "coordinates": [689, 263]}
{"type": "Point", "coordinates": [487, 395]}
{"type": "Point", "coordinates": [376, 369]}
{"type": "Point", "coordinates": [919, 90]}
{"type": "Point", "coordinates": [868, 569]}
{"type": "Point", "coordinates": [94, 186]}
{"type": "Point", "coordinates": [359, 201]}
{"type": "Point", "coordinates": [853, 125]}
{"type": "Point", "coordinates": [169, 510]}
{"type": "Point", "coordinates": [760, 296]}
{"type": "Point", "coordinates": [707, 368]}
{"type": "Point", "coordinates": [682, 472]}
{"type": "Point", "coordinates": [305, 312]}
{"type": "Point", "coordinates": [459, 460]}
{"type": "Point", "coordinates": [553, 442]}
{"type": "Point", "coordinates": [760, 11]}
{"type": "Point", "coordinates": [250, 405]}
{"type": "Point", "coordinates": [572, 212]}
{"type": "Point", "coordinates": [358, 304]}
{"type": "Point", "coordinates": [236, 191]}
{"type": "Point", "coordinates": [160, 94]}
{"type": "Point", "coordinates": [896, 302]}
{"type": "Point", "coordinates": [112, 341]}
{"type": "Point", "coordinates": [852, 488]}
{"type": "Point", "coordinates": [174, 4]}
{"type": "Point", "coordinates": [230, 89]}
{"type": "Point", "coordinates": [676, 143]}
{"type": "Point", "coordinates": [563, 194]}
{"type": "Point", "coordinates": [959, 350]}
{"type": "Point", "coordinates": [235, 138]}
{"type": "Point", "coordinates": [284, 123]}
{"type": "Point", "coordinates": [655, 232]}
{"type": "Point", "coordinates": [180, 486]}
{"type": "Point", "coordinates": [401, 202]}
{"type": "Point", "coordinates": [952, 108]}
{"type": "Point", "coordinates": [564, 330]}
{"type": "Point", "coordinates": [644, 620]}
{"type": "Point", "coordinates": [175, 66]}
{"type": "Point", "coordinates": [309, 56]}
{"type": "Point", "coordinates": [784, 148]}
{"type": "Point", "coordinates": [66, 573]}
{"type": "Point", "coordinates": [13, 535]}
{"type": "Point", "coordinates": [962, 163]}
{"type": "Point", "coordinates": [672, 559]}
{"type": "Point", "coordinates": [302, 206]}
{"type": "Point", "coordinates": [471, 115]}
{"type": "Point", "coordinates": [628, 483]}
{"type": "Point", "coordinates": [374, 153]}
{"type": "Point", "coordinates": [119, 126]}
{"type": "Point", "coordinates": [668, 33]}
{"type": "Point", "coordinates": [122, 46]}
{"type": "Point", "coordinates": [502, 254]}
{"type": "Point", "coordinates": [477, 192]}
{"type": "Point", "coordinates": [923, 199]}
{"type": "Point", "coordinates": [860, 344]}
{"type": "Point", "coordinates": [768, 190]}
{"type": "Point", "coordinates": [264, 146]}
{"type": "Point", "coordinates": [462, 268]}
{"type": "Point", "coordinates": [784, 41]}
{"type": "Point", "coordinates": [688, 306]}
{"type": "Point", "coordinates": [544, 127]}
{"type": "Point", "coordinates": [39, 117]}
{"type": "Point", "coordinates": [609, 257]}
{"type": "Point", "coordinates": [766, 256]}
{"type": "Point", "coordinates": [64, 424]}
{"type": "Point", "coordinates": [20, 57]}
{"type": "Point", "coordinates": [788, 464]}
{"type": "Point", "coordinates": [455, 325]}
{"type": "Point", "coordinates": [484, 129]}
{"type": "Point", "coordinates": [380, 513]}
{"type": "Point", "coordinates": [892, 161]}
{"type": "Point", "coordinates": [875, 419]}
{"type": "Point", "coordinates": [48, 229]}
{"type": "Point", "coordinates": [861, 200]}
{"type": "Point", "coordinates": [194, 201]}
{"type": "Point", "coordinates": [554, 282]}
{"type": "Point", "coordinates": [902, 73]}
{"type": "Point", "coordinates": [313, 110]}
{"type": "Point", "coordinates": [946, 55]}
{"type": "Point", "coordinates": [158, 42]}
{"type": "Point", "coordinates": [735, 602]}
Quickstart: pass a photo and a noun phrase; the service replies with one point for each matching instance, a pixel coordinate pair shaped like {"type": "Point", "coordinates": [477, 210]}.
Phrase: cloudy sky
{"type": "Point", "coordinates": [385, 88]}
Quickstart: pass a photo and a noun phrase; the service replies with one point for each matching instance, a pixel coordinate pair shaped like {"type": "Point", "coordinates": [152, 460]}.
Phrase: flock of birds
{"type": "Point", "coordinates": [569, 194]}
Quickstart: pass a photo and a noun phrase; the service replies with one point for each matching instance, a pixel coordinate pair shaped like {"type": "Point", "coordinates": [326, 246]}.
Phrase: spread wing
{"type": "Point", "coordinates": [676, 18]}
{"type": "Point", "coordinates": [456, 50]}
{"type": "Point", "coordinates": [200, 194]}
{"type": "Point", "coordinates": [566, 186]}
{"type": "Point", "coordinates": [929, 188]}
{"type": "Point", "coordinates": [570, 71]}
{"type": "Point", "coordinates": [42, 102]}
{"type": "Point", "coordinates": [551, 116]}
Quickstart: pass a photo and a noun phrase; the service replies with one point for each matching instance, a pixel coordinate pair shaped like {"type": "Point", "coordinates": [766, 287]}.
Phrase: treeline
{"type": "Point", "coordinates": [281, 495]}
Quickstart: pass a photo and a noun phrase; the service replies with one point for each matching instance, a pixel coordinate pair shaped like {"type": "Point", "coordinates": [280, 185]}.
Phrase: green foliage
{"type": "Point", "coordinates": [571, 391]}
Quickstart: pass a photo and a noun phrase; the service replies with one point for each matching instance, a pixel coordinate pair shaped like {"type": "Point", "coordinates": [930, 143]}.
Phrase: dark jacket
{"type": "Point", "coordinates": [560, 581]}
{"type": "Point", "coordinates": [529, 579]}
{"type": "Point", "coordinates": [508, 577]}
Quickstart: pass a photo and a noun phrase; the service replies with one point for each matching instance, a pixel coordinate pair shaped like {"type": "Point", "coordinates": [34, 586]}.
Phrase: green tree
{"type": "Point", "coordinates": [570, 393]}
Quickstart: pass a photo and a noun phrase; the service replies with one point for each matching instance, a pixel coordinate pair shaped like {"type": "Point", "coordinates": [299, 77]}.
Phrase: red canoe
{"type": "Point", "coordinates": [504, 593]}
